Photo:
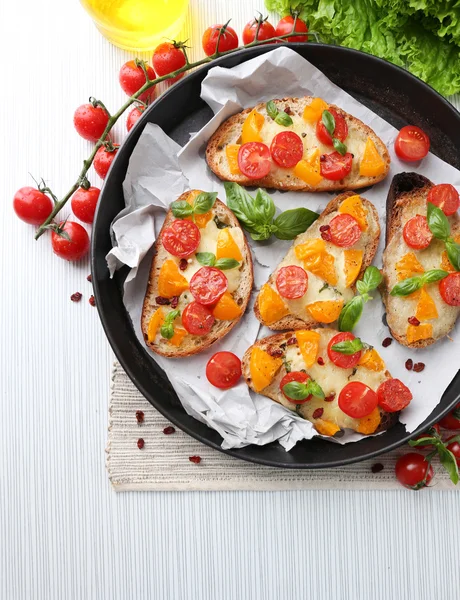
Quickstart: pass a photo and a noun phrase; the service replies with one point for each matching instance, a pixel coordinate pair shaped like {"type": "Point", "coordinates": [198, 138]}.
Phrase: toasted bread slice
{"type": "Point", "coordinates": [407, 197]}
{"type": "Point", "coordinates": [284, 179]}
{"type": "Point", "coordinates": [285, 353]}
{"type": "Point", "coordinates": [240, 284]}
{"type": "Point", "coordinates": [318, 289]}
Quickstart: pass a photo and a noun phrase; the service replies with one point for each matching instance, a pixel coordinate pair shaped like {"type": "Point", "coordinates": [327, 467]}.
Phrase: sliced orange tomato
{"type": "Point", "coordinates": [408, 266]}
{"type": "Point", "coordinates": [327, 311]}
{"type": "Point", "coordinates": [371, 359]}
{"type": "Point", "coordinates": [226, 308]}
{"type": "Point", "coordinates": [353, 206]}
{"type": "Point", "coordinates": [271, 306]}
{"type": "Point", "coordinates": [415, 333]}
{"type": "Point", "coordinates": [324, 427]}
{"type": "Point", "coordinates": [352, 265]}
{"type": "Point", "coordinates": [178, 336]}
{"type": "Point", "coordinates": [226, 246]}
{"type": "Point", "coordinates": [426, 307]}
{"type": "Point", "coordinates": [310, 248]}
{"type": "Point", "coordinates": [314, 111]}
{"type": "Point", "coordinates": [369, 423]}
{"type": "Point", "coordinates": [263, 368]}
{"type": "Point", "coordinates": [308, 345]}
{"type": "Point", "coordinates": [309, 169]}
{"type": "Point", "coordinates": [170, 281]}
{"type": "Point", "coordinates": [251, 127]}
{"type": "Point", "coordinates": [231, 150]}
{"type": "Point", "coordinates": [156, 321]}
{"type": "Point", "coordinates": [372, 164]}
{"type": "Point", "coordinates": [317, 260]}
{"type": "Point", "coordinates": [200, 220]}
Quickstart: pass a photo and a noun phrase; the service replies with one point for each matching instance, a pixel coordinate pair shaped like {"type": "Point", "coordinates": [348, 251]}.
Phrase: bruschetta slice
{"type": "Point", "coordinates": [200, 280]}
{"type": "Point", "coordinates": [421, 314]}
{"type": "Point", "coordinates": [299, 144]}
{"type": "Point", "coordinates": [316, 278]}
{"type": "Point", "coordinates": [313, 373]}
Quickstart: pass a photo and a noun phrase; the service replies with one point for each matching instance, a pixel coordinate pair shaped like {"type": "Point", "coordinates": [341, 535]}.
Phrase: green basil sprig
{"type": "Point", "coordinates": [412, 284]}
{"type": "Point", "coordinates": [278, 116]}
{"type": "Point", "coordinates": [167, 329]}
{"type": "Point", "coordinates": [299, 391]}
{"type": "Point", "coordinates": [447, 459]}
{"type": "Point", "coordinates": [201, 205]}
{"type": "Point", "coordinates": [329, 124]}
{"type": "Point", "coordinates": [208, 259]}
{"type": "Point", "coordinates": [256, 215]}
{"type": "Point", "coordinates": [440, 227]}
{"type": "Point", "coordinates": [352, 311]}
{"type": "Point", "coordinates": [348, 346]}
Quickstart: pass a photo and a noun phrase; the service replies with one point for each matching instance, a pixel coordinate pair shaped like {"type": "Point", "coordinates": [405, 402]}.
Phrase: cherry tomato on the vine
{"type": "Point", "coordinates": [286, 25]}
{"type": "Point", "coordinates": [134, 116]}
{"type": "Point", "coordinates": [266, 31]}
{"type": "Point", "coordinates": [412, 144]}
{"type": "Point", "coordinates": [168, 58]}
{"type": "Point", "coordinates": [452, 419]}
{"type": "Point", "coordinates": [90, 121]}
{"type": "Point", "coordinates": [132, 78]}
{"type": "Point", "coordinates": [223, 370]}
{"type": "Point", "coordinates": [32, 206]}
{"type": "Point", "coordinates": [103, 159]}
{"type": "Point", "coordinates": [84, 203]}
{"type": "Point", "coordinates": [413, 471]}
{"type": "Point", "coordinates": [228, 39]}
{"type": "Point", "coordinates": [433, 430]}
{"type": "Point", "coordinates": [454, 447]}
{"type": "Point", "coordinates": [74, 244]}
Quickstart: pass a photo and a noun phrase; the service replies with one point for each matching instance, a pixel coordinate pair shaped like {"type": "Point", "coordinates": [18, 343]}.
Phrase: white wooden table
{"type": "Point", "coordinates": [63, 532]}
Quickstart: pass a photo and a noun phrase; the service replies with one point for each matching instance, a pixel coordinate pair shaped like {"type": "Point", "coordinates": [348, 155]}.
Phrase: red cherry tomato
{"type": "Point", "coordinates": [228, 39]}
{"type": "Point", "coordinates": [357, 400]}
{"type": "Point", "coordinates": [208, 285]}
{"type": "Point", "coordinates": [454, 447]}
{"type": "Point", "coordinates": [413, 471]}
{"type": "Point", "coordinates": [197, 319]}
{"type": "Point", "coordinates": [76, 243]}
{"type": "Point", "coordinates": [181, 238]}
{"type": "Point", "coordinates": [84, 203]}
{"type": "Point", "coordinates": [90, 122]}
{"type": "Point", "coordinates": [345, 361]}
{"type": "Point", "coordinates": [446, 197]}
{"type": "Point", "coordinates": [334, 166]}
{"type": "Point", "coordinates": [412, 144]}
{"type": "Point", "coordinates": [434, 429]}
{"type": "Point", "coordinates": [416, 233]}
{"type": "Point", "coordinates": [344, 230]}
{"type": "Point", "coordinates": [132, 78]}
{"type": "Point", "coordinates": [168, 58]}
{"type": "Point", "coordinates": [340, 131]}
{"type": "Point", "coordinates": [103, 159]}
{"type": "Point", "coordinates": [449, 288]}
{"type": "Point", "coordinates": [223, 370]}
{"type": "Point", "coordinates": [286, 25]}
{"type": "Point", "coordinates": [393, 395]}
{"type": "Point", "coordinates": [134, 116]}
{"type": "Point", "coordinates": [295, 376]}
{"type": "Point", "coordinates": [286, 149]}
{"type": "Point", "coordinates": [452, 419]}
{"type": "Point", "coordinates": [32, 206]}
{"type": "Point", "coordinates": [254, 160]}
{"type": "Point", "coordinates": [292, 282]}
{"type": "Point", "coordinates": [266, 31]}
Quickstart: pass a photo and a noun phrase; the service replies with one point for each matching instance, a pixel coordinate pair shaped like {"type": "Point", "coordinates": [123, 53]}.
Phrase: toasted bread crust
{"type": "Point", "coordinates": [195, 344]}
{"type": "Point", "coordinates": [292, 322]}
{"type": "Point", "coordinates": [230, 131]}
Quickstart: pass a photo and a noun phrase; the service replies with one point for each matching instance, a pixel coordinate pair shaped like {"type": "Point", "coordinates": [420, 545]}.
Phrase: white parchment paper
{"type": "Point", "coordinates": [159, 171]}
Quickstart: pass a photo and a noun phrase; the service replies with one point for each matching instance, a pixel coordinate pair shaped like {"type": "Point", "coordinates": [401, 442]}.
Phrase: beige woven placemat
{"type": "Point", "coordinates": [163, 463]}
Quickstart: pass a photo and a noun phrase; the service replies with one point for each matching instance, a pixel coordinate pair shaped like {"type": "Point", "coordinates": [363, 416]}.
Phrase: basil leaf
{"type": "Point", "coordinates": [261, 232]}
{"type": "Point", "coordinates": [339, 146]}
{"type": "Point", "coordinates": [291, 223]}
{"type": "Point", "coordinates": [449, 463]}
{"type": "Point", "coordinates": [372, 278]}
{"type": "Point", "coordinates": [433, 275]}
{"type": "Point", "coordinates": [316, 389]}
{"type": "Point", "coordinates": [453, 253]}
{"type": "Point", "coordinates": [264, 207]}
{"type": "Point", "coordinates": [207, 259]}
{"type": "Point", "coordinates": [348, 346]}
{"type": "Point", "coordinates": [272, 111]}
{"type": "Point", "coordinates": [241, 204]}
{"type": "Point", "coordinates": [204, 202]}
{"type": "Point", "coordinates": [167, 329]}
{"type": "Point", "coordinates": [407, 286]}
{"type": "Point", "coordinates": [351, 313]}
{"type": "Point", "coordinates": [426, 440]}
{"type": "Point", "coordinates": [283, 119]}
{"type": "Point", "coordinates": [437, 222]}
{"type": "Point", "coordinates": [299, 391]}
{"type": "Point", "coordinates": [329, 122]}
{"type": "Point", "coordinates": [361, 287]}
{"type": "Point", "coordinates": [226, 263]}
{"type": "Point", "coordinates": [181, 209]}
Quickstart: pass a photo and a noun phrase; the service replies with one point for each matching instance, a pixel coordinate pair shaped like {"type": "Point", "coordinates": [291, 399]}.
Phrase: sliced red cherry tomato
{"type": "Point", "coordinates": [454, 447]}
{"type": "Point", "coordinates": [181, 238]}
{"type": "Point", "coordinates": [393, 395]}
{"type": "Point", "coordinates": [412, 144]}
{"type": "Point", "coordinates": [208, 285]}
{"type": "Point", "coordinates": [254, 160]}
{"type": "Point", "coordinates": [340, 131]}
{"type": "Point", "coordinates": [416, 233]}
{"type": "Point", "coordinates": [90, 121]}
{"type": "Point", "coordinates": [228, 39]}
{"type": "Point", "coordinates": [357, 400]}
{"type": "Point", "coordinates": [134, 116]}
{"type": "Point", "coordinates": [344, 230]}
{"type": "Point", "coordinates": [449, 288]}
{"type": "Point", "coordinates": [167, 58]}
{"type": "Point", "coordinates": [197, 319]}
{"type": "Point", "coordinates": [334, 166]}
{"type": "Point", "coordinates": [103, 159]}
{"type": "Point", "coordinates": [32, 206]}
{"type": "Point", "coordinates": [286, 149]}
{"type": "Point", "coordinates": [345, 361]}
{"type": "Point", "coordinates": [446, 197]}
{"type": "Point", "coordinates": [84, 203]}
{"type": "Point", "coordinates": [292, 282]}
{"type": "Point", "coordinates": [413, 471]}
{"type": "Point", "coordinates": [286, 25]}
{"type": "Point", "coordinates": [266, 30]}
{"type": "Point", "coordinates": [74, 244]}
{"type": "Point", "coordinates": [132, 78]}
{"type": "Point", "coordinates": [223, 370]}
{"type": "Point", "coordinates": [434, 429]}
{"type": "Point", "coordinates": [295, 376]}
{"type": "Point", "coordinates": [452, 419]}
